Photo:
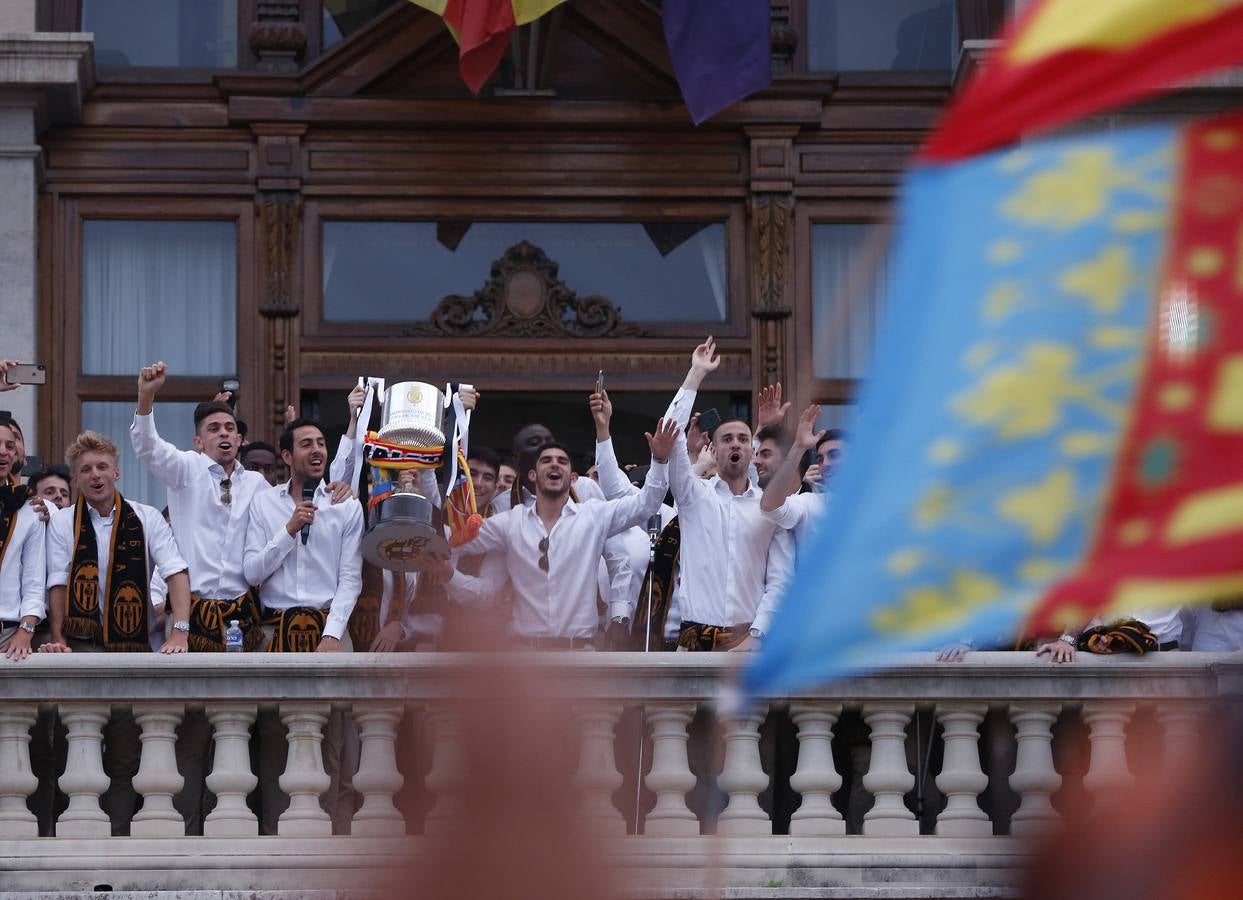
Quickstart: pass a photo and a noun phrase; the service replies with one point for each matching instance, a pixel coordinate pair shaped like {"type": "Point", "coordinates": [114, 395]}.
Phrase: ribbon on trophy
{"type": "Point", "coordinates": [461, 509]}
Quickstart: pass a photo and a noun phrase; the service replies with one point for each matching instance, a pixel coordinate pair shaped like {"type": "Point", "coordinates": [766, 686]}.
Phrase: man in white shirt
{"type": "Point", "coordinates": [781, 502]}
{"type": "Point", "coordinates": [735, 564]}
{"type": "Point", "coordinates": [305, 556]}
{"type": "Point", "coordinates": [551, 548]}
{"type": "Point", "coordinates": [101, 553]}
{"type": "Point", "coordinates": [209, 494]}
{"type": "Point", "coordinates": [23, 572]}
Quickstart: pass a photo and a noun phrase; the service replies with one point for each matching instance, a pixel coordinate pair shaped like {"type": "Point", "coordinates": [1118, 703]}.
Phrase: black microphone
{"type": "Point", "coordinates": [308, 493]}
{"type": "Point", "coordinates": [653, 528]}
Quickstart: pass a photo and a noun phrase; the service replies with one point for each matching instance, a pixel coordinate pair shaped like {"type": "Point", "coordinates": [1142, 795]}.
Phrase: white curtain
{"type": "Point", "coordinates": [711, 243]}
{"type": "Point", "coordinates": [159, 290]}
{"type": "Point", "coordinates": [849, 280]}
{"type": "Point", "coordinates": [175, 422]}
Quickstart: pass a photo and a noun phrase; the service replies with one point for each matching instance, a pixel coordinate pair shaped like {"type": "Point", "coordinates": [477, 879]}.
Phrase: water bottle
{"type": "Point", "coordinates": [233, 638]}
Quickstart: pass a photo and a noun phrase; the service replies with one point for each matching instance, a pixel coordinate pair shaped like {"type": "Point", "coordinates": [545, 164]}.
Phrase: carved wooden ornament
{"type": "Point", "coordinates": [525, 298]}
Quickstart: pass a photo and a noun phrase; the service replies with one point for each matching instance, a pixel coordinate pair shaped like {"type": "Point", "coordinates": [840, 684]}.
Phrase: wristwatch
{"type": "Point", "coordinates": [621, 620]}
{"type": "Point", "coordinates": [757, 634]}
{"type": "Point", "coordinates": [1068, 639]}
{"type": "Point", "coordinates": [26, 627]}
{"type": "Point", "coordinates": [183, 626]}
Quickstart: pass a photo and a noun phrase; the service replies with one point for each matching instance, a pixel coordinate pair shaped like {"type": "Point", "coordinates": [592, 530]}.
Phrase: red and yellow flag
{"type": "Point", "coordinates": [482, 29]}
{"type": "Point", "coordinates": [1062, 59]}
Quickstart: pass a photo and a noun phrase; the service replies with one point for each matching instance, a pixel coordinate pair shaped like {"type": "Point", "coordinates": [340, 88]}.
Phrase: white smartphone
{"type": "Point", "coordinates": [26, 373]}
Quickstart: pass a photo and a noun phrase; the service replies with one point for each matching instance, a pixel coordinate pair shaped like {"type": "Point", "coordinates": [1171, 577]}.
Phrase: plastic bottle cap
{"type": "Point", "coordinates": [233, 623]}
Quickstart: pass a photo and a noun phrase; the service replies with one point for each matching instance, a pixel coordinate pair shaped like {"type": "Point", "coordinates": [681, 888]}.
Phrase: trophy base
{"type": "Point", "coordinates": [406, 535]}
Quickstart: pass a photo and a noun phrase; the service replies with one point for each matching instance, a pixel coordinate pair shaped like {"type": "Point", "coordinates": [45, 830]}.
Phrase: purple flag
{"type": "Point", "coordinates": [721, 51]}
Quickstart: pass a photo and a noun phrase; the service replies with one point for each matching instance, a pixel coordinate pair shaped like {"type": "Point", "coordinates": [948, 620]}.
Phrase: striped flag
{"type": "Point", "coordinates": [482, 29]}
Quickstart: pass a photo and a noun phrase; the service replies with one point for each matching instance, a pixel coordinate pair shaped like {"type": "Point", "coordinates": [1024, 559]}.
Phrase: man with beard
{"type": "Point", "coordinates": [772, 448]}
{"type": "Point", "coordinates": [552, 547]}
{"type": "Point", "coordinates": [781, 504]}
{"type": "Point", "coordinates": [306, 558]}
{"type": "Point", "coordinates": [101, 553]}
{"type": "Point", "coordinates": [734, 563]}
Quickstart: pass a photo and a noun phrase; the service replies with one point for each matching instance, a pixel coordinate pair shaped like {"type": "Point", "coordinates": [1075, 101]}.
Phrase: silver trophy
{"type": "Point", "coordinates": [405, 530]}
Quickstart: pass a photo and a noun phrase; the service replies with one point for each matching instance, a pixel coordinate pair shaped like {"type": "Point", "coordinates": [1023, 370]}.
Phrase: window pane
{"type": "Point", "coordinates": [399, 271]}
{"type": "Point", "coordinates": [175, 422]}
{"type": "Point", "coordinates": [849, 277]}
{"type": "Point", "coordinates": [863, 35]}
{"type": "Point", "coordinates": [194, 34]}
{"type": "Point", "coordinates": [159, 290]}
{"type": "Point", "coordinates": [343, 17]}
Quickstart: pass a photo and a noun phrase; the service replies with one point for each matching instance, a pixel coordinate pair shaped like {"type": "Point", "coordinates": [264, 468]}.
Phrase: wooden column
{"type": "Point", "coordinates": [770, 205]}
{"type": "Point", "coordinates": [278, 210]}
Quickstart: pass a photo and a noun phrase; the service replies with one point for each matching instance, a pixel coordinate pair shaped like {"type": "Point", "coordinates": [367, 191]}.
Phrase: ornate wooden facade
{"type": "Point", "coordinates": [379, 127]}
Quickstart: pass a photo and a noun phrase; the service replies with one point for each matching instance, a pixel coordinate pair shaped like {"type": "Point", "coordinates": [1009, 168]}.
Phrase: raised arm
{"type": "Point", "coordinates": [786, 480]}
{"type": "Point", "coordinates": [613, 480]}
{"type": "Point", "coordinates": [637, 508]}
{"type": "Point", "coordinates": [170, 465]}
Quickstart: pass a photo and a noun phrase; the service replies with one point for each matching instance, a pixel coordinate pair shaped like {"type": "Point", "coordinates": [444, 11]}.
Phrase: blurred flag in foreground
{"type": "Point", "coordinates": [1063, 59]}
{"type": "Point", "coordinates": [482, 29]}
{"type": "Point", "coordinates": [1054, 424]}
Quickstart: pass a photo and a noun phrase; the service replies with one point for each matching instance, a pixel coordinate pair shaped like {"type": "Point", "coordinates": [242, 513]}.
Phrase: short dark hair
{"type": "Point", "coordinates": [729, 420]}
{"type": "Point", "coordinates": [52, 471]}
{"type": "Point", "coordinates": [774, 433]}
{"type": "Point", "coordinates": [552, 445]}
{"type": "Point", "coordinates": [211, 407]}
{"type": "Point", "coordinates": [258, 445]}
{"type": "Point", "coordinates": [485, 455]}
{"type": "Point", "coordinates": [833, 434]}
{"type": "Point", "coordinates": [242, 427]}
{"type": "Point", "coordinates": [286, 440]}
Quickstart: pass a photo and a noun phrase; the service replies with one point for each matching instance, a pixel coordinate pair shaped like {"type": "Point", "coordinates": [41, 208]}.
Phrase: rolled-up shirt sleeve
{"type": "Point", "coordinates": [59, 552]}
{"type": "Point", "coordinates": [776, 578]}
{"type": "Point", "coordinates": [613, 480]}
{"type": "Point", "coordinates": [165, 555]}
{"type": "Point", "coordinates": [350, 575]}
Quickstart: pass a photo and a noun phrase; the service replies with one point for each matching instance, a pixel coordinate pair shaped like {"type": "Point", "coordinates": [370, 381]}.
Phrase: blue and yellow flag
{"type": "Point", "coordinates": [1054, 426]}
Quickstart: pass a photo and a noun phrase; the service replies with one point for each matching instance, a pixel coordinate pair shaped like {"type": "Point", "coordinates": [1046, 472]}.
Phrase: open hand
{"type": "Point", "coordinates": [1058, 651]}
{"type": "Point", "coordinates": [663, 442]}
{"type": "Point", "coordinates": [770, 410]}
{"type": "Point", "coordinates": [805, 435]}
{"type": "Point", "coordinates": [704, 359]}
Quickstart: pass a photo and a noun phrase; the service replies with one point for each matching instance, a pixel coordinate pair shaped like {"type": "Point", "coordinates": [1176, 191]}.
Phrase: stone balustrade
{"type": "Point", "coordinates": [1019, 707]}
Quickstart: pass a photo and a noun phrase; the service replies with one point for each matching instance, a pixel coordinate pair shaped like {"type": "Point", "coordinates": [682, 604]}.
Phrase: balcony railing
{"type": "Point", "coordinates": [422, 701]}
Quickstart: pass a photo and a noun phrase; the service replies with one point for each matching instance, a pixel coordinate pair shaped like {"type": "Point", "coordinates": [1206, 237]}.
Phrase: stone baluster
{"type": "Point", "coordinates": [231, 778]}
{"type": "Point", "coordinates": [816, 778]}
{"type": "Point", "coordinates": [1034, 779]}
{"type": "Point", "coordinates": [377, 778]}
{"type": "Point", "coordinates": [742, 777]}
{"type": "Point", "coordinates": [961, 778]}
{"type": "Point", "coordinates": [1180, 720]}
{"type": "Point", "coordinates": [158, 779]}
{"type": "Point", "coordinates": [17, 781]}
{"type": "Point", "coordinates": [84, 779]}
{"type": "Point", "coordinates": [888, 776]}
{"type": "Point", "coordinates": [448, 775]}
{"type": "Point", "coordinates": [1108, 774]}
{"type": "Point", "coordinates": [304, 778]}
{"type": "Point", "coordinates": [670, 777]}
{"type": "Point", "coordinates": [597, 776]}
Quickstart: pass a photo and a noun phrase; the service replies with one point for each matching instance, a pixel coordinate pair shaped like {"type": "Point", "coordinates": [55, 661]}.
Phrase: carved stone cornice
{"type": "Point", "coordinates": [525, 298]}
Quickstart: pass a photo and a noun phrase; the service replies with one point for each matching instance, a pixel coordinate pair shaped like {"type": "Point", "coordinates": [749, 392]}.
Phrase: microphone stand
{"type": "Point", "coordinates": [653, 535]}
